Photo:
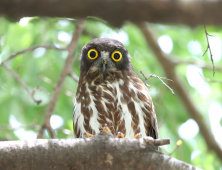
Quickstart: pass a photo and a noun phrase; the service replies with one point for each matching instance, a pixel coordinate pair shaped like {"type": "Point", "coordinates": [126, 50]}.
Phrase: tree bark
{"type": "Point", "coordinates": [191, 13]}
{"type": "Point", "coordinates": [98, 152]}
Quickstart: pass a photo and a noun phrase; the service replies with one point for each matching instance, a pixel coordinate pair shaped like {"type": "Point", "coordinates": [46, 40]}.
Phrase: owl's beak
{"type": "Point", "coordinates": [104, 66]}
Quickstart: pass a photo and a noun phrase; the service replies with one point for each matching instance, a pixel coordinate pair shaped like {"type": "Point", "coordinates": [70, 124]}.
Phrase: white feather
{"type": "Point", "coordinates": [105, 55]}
{"type": "Point", "coordinates": [78, 118]}
{"type": "Point", "coordinates": [107, 91]}
{"type": "Point", "coordinates": [121, 82]}
{"type": "Point", "coordinates": [93, 122]}
{"type": "Point", "coordinates": [81, 123]}
{"type": "Point", "coordinates": [104, 105]}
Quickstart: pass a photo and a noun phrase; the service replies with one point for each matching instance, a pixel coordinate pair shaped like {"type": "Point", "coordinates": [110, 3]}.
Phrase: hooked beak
{"type": "Point", "coordinates": [104, 66]}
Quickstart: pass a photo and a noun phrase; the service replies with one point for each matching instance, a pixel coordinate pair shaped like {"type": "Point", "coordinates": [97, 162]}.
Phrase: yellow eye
{"type": "Point", "coordinates": [116, 56]}
{"type": "Point", "coordinates": [92, 54]}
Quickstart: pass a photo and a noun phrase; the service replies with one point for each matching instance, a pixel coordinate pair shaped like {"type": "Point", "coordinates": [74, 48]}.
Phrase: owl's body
{"type": "Point", "coordinates": [109, 92]}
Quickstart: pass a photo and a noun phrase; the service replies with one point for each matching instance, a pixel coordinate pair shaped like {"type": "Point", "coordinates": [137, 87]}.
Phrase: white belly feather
{"type": "Point", "coordinates": [125, 114]}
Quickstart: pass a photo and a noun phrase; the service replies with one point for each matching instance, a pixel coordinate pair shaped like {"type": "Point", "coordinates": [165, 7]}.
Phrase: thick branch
{"type": "Point", "coordinates": [66, 70]}
{"type": "Point", "coordinates": [98, 152]}
{"type": "Point", "coordinates": [181, 90]}
{"type": "Point", "coordinates": [117, 11]}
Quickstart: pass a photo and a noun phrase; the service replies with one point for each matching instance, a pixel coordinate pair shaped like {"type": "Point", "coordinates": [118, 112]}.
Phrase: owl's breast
{"type": "Point", "coordinates": [122, 104]}
{"type": "Point", "coordinates": [94, 106]}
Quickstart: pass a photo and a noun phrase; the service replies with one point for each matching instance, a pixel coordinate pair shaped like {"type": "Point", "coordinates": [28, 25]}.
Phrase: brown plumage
{"type": "Point", "coordinates": [109, 92]}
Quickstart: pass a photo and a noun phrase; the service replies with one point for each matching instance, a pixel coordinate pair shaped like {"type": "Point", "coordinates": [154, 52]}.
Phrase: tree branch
{"type": "Point", "coordinates": [191, 13]}
{"type": "Point", "coordinates": [209, 80]}
{"type": "Point", "coordinates": [17, 77]}
{"type": "Point", "coordinates": [66, 70]}
{"type": "Point", "coordinates": [201, 64]}
{"type": "Point", "coordinates": [208, 48]}
{"type": "Point", "coordinates": [31, 49]}
{"type": "Point", "coordinates": [160, 78]}
{"type": "Point", "coordinates": [98, 152]}
{"type": "Point", "coordinates": [179, 143]}
{"type": "Point", "coordinates": [169, 69]}
{"type": "Point", "coordinates": [73, 76]}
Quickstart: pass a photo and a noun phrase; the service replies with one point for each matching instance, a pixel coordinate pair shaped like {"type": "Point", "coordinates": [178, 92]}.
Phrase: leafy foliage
{"type": "Point", "coordinates": [42, 68]}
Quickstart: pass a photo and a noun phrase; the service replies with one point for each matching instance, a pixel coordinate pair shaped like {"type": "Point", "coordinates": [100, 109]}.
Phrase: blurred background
{"type": "Point", "coordinates": [21, 117]}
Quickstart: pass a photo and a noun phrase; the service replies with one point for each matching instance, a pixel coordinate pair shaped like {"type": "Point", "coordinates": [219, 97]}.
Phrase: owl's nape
{"type": "Point", "coordinates": [110, 96]}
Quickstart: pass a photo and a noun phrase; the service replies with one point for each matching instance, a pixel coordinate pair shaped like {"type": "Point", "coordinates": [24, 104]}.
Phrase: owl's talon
{"type": "Point", "coordinates": [87, 135]}
{"type": "Point", "coordinates": [138, 136]}
{"type": "Point", "coordinates": [120, 135]}
{"type": "Point", "coordinates": [106, 128]}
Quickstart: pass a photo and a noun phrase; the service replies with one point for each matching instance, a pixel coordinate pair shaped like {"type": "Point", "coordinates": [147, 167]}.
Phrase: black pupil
{"type": "Point", "coordinates": [92, 54]}
{"type": "Point", "coordinates": [116, 56]}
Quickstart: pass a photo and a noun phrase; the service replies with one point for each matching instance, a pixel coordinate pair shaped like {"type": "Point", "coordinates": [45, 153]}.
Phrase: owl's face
{"type": "Point", "coordinates": [105, 55]}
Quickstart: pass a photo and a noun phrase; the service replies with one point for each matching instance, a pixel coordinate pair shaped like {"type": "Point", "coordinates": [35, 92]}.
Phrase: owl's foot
{"type": "Point", "coordinates": [120, 135]}
{"type": "Point", "coordinates": [138, 136]}
{"type": "Point", "coordinates": [106, 128]}
{"type": "Point", "coordinates": [87, 135]}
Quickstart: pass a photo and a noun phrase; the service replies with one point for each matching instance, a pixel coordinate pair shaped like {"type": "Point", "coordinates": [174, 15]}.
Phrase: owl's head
{"type": "Point", "coordinates": [104, 55]}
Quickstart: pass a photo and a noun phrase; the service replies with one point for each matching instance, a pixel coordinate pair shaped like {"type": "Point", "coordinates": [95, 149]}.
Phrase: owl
{"type": "Point", "coordinates": [109, 93]}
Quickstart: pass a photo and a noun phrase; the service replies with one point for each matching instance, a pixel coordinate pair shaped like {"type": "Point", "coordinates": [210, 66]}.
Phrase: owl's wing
{"type": "Point", "coordinates": [150, 115]}
{"type": "Point", "coordinates": [76, 116]}
{"type": "Point", "coordinates": [153, 130]}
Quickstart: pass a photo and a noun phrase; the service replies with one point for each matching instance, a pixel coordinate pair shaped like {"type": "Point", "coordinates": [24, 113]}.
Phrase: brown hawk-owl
{"type": "Point", "coordinates": [110, 93]}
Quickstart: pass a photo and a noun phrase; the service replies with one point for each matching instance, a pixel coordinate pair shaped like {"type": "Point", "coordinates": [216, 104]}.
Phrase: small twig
{"type": "Point", "coordinates": [51, 132]}
{"type": "Point", "coordinates": [209, 80]}
{"type": "Point", "coordinates": [66, 70]}
{"type": "Point", "coordinates": [31, 93]}
{"type": "Point", "coordinates": [31, 49]}
{"type": "Point", "coordinates": [17, 77]}
{"type": "Point", "coordinates": [201, 64]}
{"type": "Point", "coordinates": [153, 75]}
{"type": "Point", "coordinates": [19, 68]}
{"type": "Point", "coordinates": [160, 78]}
{"type": "Point", "coordinates": [145, 79]}
{"type": "Point", "coordinates": [179, 142]}
{"type": "Point", "coordinates": [208, 48]}
{"type": "Point", "coordinates": [39, 88]}
{"type": "Point", "coordinates": [73, 76]}
{"type": "Point", "coordinates": [160, 142]}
